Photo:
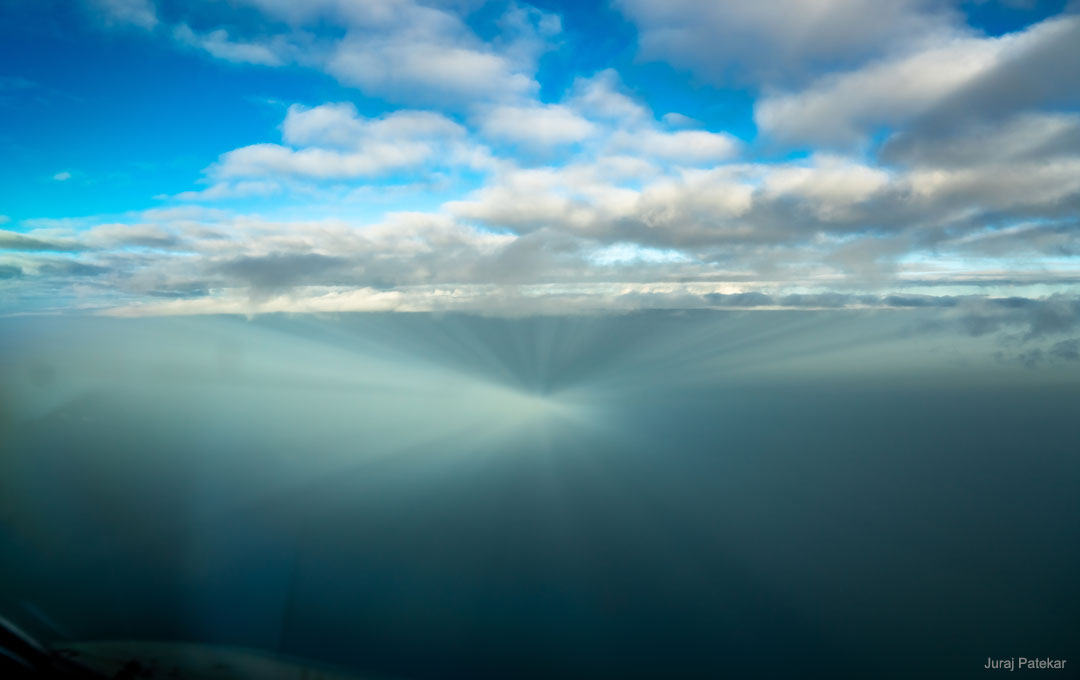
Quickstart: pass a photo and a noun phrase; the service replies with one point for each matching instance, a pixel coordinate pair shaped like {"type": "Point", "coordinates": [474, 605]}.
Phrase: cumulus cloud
{"type": "Point", "coordinates": [691, 147]}
{"type": "Point", "coordinates": [1029, 136]}
{"type": "Point", "coordinates": [339, 125]}
{"type": "Point", "coordinates": [789, 203]}
{"type": "Point", "coordinates": [600, 97]}
{"type": "Point", "coordinates": [964, 78]}
{"type": "Point", "coordinates": [410, 51]}
{"type": "Point", "coordinates": [536, 125]}
{"type": "Point", "coordinates": [195, 260]}
{"type": "Point", "coordinates": [337, 143]}
{"type": "Point", "coordinates": [930, 156]}
{"type": "Point", "coordinates": [782, 40]}
{"type": "Point", "coordinates": [401, 50]}
{"type": "Point", "coordinates": [614, 199]}
{"type": "Point", "coordinates": [830, 186]}
{"type": "Point", "coordinates": [274, 159]}
{"type": "Point", "coordinates": [413, 67]}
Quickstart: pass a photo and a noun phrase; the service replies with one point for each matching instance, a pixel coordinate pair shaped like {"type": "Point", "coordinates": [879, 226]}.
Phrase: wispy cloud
{"type": "Point", "coordinates": [140, 13]}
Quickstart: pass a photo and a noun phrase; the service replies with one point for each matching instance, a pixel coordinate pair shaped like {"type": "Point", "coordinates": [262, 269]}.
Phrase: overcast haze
{"type": "Point", "coordinates": [657, 494]}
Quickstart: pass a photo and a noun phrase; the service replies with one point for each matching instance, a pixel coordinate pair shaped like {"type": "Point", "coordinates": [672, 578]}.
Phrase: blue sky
{"type": "Point", "coordinates": [262, 155]}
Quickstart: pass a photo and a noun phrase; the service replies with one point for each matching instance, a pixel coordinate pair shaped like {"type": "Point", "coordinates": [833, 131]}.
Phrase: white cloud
{"type": "Point", "coordinates": [593, 246]}
{"type": "Point", "coordinates": [627, 203]}
{"type": "Point", "coordinates": [684, 146]}
{"type": "Point", "coordinates": [773, 203]}
{"type": "Point", "coordinates": [538, 125]}
{"type": "Point", "coordinates": [269, 160]}
{"type": "Point", "coordinates": [1023, 137]}
{"type": "Point", "coordinates": [599, 97]}
{"type": "Point", "coordinates": [62, 176]}
{"type": "Point", "coordinates": [843, 109]}
{"type": "Point", "coordinates": [119, 235]}
{"type": "Point", "coordinates": [338, 143]}
{"type": "Point", "coordinates": [218, 44]}
{"type": "Point", "coordinates": [425, 71]}
{"type": "Point", "coordinates": [227, 190]}
{"type": "Point", "coordinates": [329, 125]}
{"type": "Point", "coordinates": [410, 52]}
{"type": "Point", "coordinates": [628, 127]}
{"type": "Point", "coordinates": [591, 199]}
{"type": "Point", "coordinates": [400, 50]}
{"type": "Point", "coordinates": [339, 125]}
{"type": "Point", "coordinates": [678, 120]}
{"type": "Point", "coordinates": [1035, 189]}
{"type": "Point", "coordinates": [782, 40]}
{"type": "Point", "coordinates": [829, 185]}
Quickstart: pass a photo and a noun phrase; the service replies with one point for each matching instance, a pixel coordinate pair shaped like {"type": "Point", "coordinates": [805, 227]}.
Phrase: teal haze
{"type": "Point", "coordinates": [658, 494]}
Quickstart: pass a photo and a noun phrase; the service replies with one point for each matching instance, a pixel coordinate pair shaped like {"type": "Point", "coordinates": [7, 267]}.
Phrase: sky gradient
{"type": "Point", "coordinates": [259, 155]}
{"type": "Point", "coordinates": [642, 338]}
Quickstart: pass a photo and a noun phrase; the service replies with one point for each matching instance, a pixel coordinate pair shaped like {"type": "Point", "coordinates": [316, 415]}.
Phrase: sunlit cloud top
{"type": "Point", "coordinates": [168, 157]}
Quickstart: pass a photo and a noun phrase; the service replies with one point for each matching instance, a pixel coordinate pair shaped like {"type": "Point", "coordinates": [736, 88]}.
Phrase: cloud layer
{"type": "Point", "coordinates": [894, 151]}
